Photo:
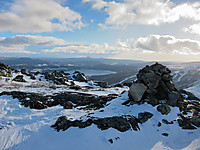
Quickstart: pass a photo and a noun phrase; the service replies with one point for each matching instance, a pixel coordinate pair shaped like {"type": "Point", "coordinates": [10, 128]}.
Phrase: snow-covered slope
{"type": "Point", "coordinates": [22, 128]}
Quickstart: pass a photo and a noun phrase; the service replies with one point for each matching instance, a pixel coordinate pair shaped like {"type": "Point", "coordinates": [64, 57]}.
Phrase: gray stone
{"type": "Point", "coordinates": [137, 90]}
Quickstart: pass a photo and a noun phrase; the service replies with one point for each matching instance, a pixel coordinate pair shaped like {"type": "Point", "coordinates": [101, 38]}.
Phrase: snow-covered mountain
{"type": "Point", "coordinates": [94, 115]}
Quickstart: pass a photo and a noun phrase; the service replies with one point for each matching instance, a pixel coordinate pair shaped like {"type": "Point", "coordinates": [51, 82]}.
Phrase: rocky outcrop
{"type": "Point", "coordinates": [120, 123]}
{"type": "Point", "coordinates": [67, 99]}
{"type": "Point", "coordinates": [56, 77]}
{"type": "Point", "coordinates": [154, 85]}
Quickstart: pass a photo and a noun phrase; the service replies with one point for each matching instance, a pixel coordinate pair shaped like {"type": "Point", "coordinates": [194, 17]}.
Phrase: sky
{"type": "Point", "coordinates": [159, 30]}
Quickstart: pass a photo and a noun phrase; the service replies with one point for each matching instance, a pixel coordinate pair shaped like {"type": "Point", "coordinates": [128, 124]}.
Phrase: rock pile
{"type": "Point", "coordinates": [154, 85]}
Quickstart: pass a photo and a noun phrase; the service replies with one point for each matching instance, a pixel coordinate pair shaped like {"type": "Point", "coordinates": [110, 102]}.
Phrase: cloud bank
{"type": "Point", "coordinates": [18, 43]}
{"type": "Point", "coordinates": [152, 44]}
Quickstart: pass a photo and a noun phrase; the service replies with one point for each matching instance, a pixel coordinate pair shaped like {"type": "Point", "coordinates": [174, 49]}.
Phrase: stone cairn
{"type": "Point", "coordinates": [154, 85]}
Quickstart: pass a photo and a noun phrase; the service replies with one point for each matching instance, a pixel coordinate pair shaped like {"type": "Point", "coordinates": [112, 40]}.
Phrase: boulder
{"type": "Point", "coordinates": [19, 78]}
{"type": "Point", "coordinates": [164, 109]}
{"type": "Point", "coordinates": [137, 91]}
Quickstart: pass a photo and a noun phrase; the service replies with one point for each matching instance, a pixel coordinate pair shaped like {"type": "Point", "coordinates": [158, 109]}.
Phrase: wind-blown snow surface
{"type": "Point", "coordinates": [24, 128]}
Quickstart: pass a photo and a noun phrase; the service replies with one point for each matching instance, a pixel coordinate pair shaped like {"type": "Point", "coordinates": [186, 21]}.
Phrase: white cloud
{"type": "Point", "coordinates": [17, 44]}
{"type": "Point", "coordinates": [39, 16]}
{"type": "Point", "coordinates": [152, 44]}
{"type": "Point", "coordinates": [195, 28]}
{"type": "Point", "coordinates": [167, 44]}
{"type": "Point", "coordinates": [148, 12]}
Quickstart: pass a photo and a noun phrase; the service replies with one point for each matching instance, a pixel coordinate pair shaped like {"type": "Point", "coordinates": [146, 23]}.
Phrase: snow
{"type": "Point", "coordinates": [30, 129]}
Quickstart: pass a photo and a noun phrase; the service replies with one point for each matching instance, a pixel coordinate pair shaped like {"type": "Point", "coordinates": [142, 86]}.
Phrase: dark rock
{"type": "Point", "coordinates": [195, 120]}
{"type": "Point", "coordinates": [36, 73]}
{"type": "Point", "coordinates": [119, 123]}
{"type": "Point", "coordinates": [134, 123]}
{"type": "Point", "coordinates": [190, 96]}
{"type": "Point", "coordinates": [143, 117]}
{"type": "Point", "coordinates": [62, 123]}
{"type": "Point", "coordinates": [68, 105]}
{"type": "Point", "coordinates": [128, 84]}
{"type": "Point", "coordinates": [167, 122]}
{"type": "Point", "coordinates": [111, 141]}
{"type": "Point", "coordinates": [19, 78]}
{"type": "Point", "coordinates": [159, 85]}
{"type": "Point", "coordinates": [103, 84]}
{"type": "Point", "coordinates": [32, 77]}
{"type": "Point", "coordinates": [25, 71]}
{"type": "Point", "coordinates": [6, 70]}
{"type": "Point", "coordinates": [118, 85]}
{"type": "Point", "coordinates": [173, 98]}
{"type": "Point", "coordinates": [185, 123]}
{"type": "Point", "coordinates": [159, 124]}
{"type": "Point", "coordinates": [152, 101]}
{"type": "Point", "coordinates": [165, 134]}
{"type": "Point", "coordinates": [164, 109]}
{"type": "Point", "coordinates": [78, 76]}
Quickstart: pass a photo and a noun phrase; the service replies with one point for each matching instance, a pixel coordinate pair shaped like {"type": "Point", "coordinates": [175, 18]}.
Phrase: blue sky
{"type": "Point", "coordinates": [123, 29]}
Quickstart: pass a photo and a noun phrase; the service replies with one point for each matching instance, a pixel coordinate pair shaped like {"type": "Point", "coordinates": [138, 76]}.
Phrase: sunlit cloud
{"type": "Point", "coordinates": [154, 12]}
{"type": "Point", "coordinates": [39, 16]}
